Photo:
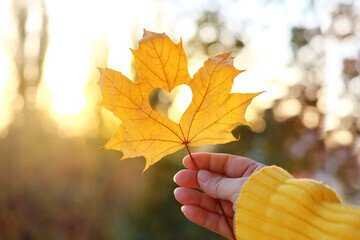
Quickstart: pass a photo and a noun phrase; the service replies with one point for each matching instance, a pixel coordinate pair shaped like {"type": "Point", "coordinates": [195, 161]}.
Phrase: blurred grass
{"type": "Point", "coordinates": [71, 188]}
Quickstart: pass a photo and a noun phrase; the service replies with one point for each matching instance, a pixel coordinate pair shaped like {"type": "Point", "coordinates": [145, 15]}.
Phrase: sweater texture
{"type": "Point", "coordinates": [273, 205]}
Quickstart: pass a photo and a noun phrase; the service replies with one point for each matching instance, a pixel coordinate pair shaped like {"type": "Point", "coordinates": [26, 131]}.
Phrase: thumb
{"type": "Point", "coordinates": [218, 186]}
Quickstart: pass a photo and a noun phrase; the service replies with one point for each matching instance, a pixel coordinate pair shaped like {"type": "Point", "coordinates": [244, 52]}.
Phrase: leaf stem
{"type": "Point", "coordinates": [228, 224]}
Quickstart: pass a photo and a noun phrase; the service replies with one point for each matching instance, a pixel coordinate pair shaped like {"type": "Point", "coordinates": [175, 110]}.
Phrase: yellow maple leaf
{"type": "Point", "coordinates": [161, 63]}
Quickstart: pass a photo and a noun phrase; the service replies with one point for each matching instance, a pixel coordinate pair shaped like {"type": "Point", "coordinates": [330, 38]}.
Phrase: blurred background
{"type": "Point", "coordinates": [57, 181]}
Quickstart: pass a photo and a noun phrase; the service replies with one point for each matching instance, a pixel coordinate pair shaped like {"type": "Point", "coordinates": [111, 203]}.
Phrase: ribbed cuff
{"type": "Point", "coordinates": [274, 205]}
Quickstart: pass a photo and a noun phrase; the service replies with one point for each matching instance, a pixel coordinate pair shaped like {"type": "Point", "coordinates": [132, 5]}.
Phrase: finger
{"type": "Point", "coordinates": [220, 187]}
{"type": "Point", "coordinates": [187, 196]}
{"type": "Point", "coordinates": [186, 178]}
{"type": "Point", "coordinates": [206, 219]}
{"type": "Point", "coordinates": [225, 164]}
{"type": "Point", "coordinates": [215, 185]}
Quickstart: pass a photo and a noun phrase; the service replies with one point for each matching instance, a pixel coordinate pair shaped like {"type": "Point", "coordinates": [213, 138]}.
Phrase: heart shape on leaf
{"type": "Point", "coordinates": [161, 64]}
{"type": "Point", "coordinates": [172, 105]}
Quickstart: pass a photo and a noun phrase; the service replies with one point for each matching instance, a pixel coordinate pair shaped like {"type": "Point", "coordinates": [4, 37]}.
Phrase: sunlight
{"type": "Point", "coordinates": [65, 81]}
{"type": "Point", "coordinates": [72, 58]}
{"type": "Point", "coordinates": [8, 81]}
{"type": "Point", "coordinates": [106, 31]}
{"type": "Point", "coordinates": [68, 63]}
{"type": "Point", "coordinates": [181, 100]}
{"type": "Point", "coordinates": [7, 92]}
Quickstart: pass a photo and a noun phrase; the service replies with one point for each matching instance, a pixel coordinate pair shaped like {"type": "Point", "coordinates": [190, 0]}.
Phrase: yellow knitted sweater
{"type": "Point", "coordinates": [273, 205]}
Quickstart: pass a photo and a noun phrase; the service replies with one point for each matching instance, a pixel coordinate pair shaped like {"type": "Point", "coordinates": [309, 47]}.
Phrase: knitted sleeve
{"type": "Point", "coordinates": [273, 205]}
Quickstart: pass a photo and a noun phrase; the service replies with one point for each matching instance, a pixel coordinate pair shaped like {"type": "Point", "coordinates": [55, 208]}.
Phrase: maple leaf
{"type": "Point", "coordinates": [161, 63]}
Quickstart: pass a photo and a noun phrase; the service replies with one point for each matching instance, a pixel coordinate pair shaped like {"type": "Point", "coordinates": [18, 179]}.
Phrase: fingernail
{"type": "Point", "coordinates": [203, 176]}
{"type": "Point", "coordinates": [174, 178]}
{"type": "Point", "coordinates": [183, 209]}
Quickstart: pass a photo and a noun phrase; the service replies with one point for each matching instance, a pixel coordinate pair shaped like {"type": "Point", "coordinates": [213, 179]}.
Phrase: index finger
{"type": "Point", "coordinates": [221, 163]}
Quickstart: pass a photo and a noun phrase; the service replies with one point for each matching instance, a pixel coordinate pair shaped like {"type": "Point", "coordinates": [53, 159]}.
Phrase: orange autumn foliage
{"type": "Point", "coordinates": [161, 63]}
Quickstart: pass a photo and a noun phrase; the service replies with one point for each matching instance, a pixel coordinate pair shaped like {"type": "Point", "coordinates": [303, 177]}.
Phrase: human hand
{"type": "Point", "coordinates": [220, 176]}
